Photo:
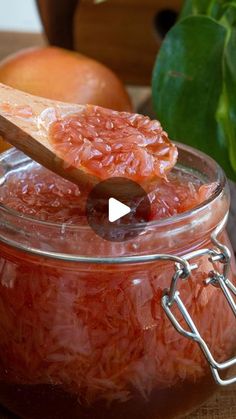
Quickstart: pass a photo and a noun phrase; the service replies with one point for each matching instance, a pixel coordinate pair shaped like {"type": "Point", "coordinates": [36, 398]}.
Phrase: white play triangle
{"type": "Point", "coordinates": [117, 210]}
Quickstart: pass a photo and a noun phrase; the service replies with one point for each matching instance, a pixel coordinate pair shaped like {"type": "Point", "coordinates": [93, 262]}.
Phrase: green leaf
{"type": "Point", "coordinates": [188, 9]}
{"type": "Point", "coordinates": [194, 7]}
{"type": "Point", "coordinates": [229, 14]}
{"type": "Point", "coordinates": [230, 96]}
{"type": "Point", "coordinates": [188, 86]}
{"type": "Point", "coordinates": [211, 8]}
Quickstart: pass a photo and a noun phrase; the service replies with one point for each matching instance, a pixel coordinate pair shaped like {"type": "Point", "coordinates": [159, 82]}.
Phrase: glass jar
{"type": "Point", "coordinates": [135, 329]}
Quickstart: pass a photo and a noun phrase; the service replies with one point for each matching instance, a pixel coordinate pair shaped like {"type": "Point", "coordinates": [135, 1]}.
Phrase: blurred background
{"type": "Point", "coordinates": [19, 16]}
{"type": "Point", "coordinates": [134, 37]}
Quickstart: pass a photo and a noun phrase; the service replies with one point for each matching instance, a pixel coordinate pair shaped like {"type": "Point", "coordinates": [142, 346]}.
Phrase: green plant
{"type": "Point", "coordinates": [194, 80]}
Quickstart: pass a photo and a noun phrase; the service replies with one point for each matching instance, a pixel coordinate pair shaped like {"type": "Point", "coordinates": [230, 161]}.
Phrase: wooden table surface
{"type": "Point", "coordinates": [223, 404]}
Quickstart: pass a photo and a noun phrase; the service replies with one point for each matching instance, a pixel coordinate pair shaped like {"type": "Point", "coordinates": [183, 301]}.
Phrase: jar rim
{"type": "Point", "coordinates": [220, 181]}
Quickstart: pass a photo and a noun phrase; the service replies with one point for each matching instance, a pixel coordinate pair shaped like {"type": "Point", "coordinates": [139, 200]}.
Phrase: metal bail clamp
{"type": "Point", "coordinates": [171, 297]}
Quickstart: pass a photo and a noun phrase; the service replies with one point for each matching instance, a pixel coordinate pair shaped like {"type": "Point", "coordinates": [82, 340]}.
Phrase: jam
{"type": "Point", "coordinates": [91, 341]}
{"type": "Point", "coordinates": [108, 143]}
{"type": "Point", "coordinates": [48, 197]}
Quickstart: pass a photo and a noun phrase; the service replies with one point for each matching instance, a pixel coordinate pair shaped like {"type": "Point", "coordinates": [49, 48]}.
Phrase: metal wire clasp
{"type": "Point", "coordinates": [220, 253]}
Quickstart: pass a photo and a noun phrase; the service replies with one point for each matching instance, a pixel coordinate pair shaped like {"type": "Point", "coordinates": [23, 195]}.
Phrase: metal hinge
{"type": "Point", "coordinates": [220, 253]}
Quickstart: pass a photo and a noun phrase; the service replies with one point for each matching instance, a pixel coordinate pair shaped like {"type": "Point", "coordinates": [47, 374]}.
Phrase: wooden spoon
{"type": "Point", "coordinates": [24, 123]}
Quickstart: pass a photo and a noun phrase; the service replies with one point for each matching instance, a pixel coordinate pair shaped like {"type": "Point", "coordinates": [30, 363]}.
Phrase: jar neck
{"type": "Point", "coordinates": [177, 237]}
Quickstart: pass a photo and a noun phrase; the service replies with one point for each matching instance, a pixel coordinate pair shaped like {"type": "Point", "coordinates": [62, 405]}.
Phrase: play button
{"type": "Point", "coordinates": [118, 209]}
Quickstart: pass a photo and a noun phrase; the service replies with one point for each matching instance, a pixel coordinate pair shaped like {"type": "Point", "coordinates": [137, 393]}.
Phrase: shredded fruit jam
{"type": "Point", "coordinates": [97, 335]}
{"type": "Point", "coordinates": [99, 332]}
{"type": "Point", "coordinates": [50, 198]}
{"type": "Point", "coordinates": [108, 143]}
